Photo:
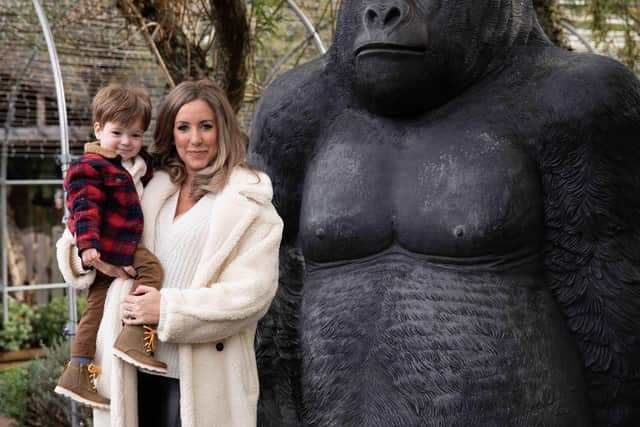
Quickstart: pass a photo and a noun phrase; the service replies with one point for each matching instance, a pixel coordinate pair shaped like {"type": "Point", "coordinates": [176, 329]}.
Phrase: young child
{"type": "Point", "coordinates": [103, 188]}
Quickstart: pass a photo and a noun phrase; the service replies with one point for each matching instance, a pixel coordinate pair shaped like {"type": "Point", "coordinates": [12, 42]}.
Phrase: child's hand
{"type": "Point", "coordinates": [90, 256]}
{"type": "Point", "coordinates": [130, 270]}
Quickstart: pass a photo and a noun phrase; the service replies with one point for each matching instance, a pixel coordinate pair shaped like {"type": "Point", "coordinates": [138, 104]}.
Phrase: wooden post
{"type": "Point", "coordinates": [41, 110]}
{"type": "Point", "coordinates": [42, 262]}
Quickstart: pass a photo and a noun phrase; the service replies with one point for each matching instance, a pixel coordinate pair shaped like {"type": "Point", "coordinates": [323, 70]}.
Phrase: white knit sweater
{"type": "Point", "coordinates": [179, 248]}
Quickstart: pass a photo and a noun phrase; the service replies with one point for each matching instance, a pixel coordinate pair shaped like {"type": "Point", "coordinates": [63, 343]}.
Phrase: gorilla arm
{"type": "Point", "coordinates": [592, 215]}
{"type": "Point", "coordinates": [284, 126]}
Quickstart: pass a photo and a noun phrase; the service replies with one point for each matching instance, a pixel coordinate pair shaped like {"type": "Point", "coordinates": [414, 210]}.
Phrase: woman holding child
{"type": "Point", "coordinates": [208, 218]}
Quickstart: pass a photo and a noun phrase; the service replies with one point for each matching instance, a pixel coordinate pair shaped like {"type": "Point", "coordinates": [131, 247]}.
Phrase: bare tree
{"type": "Point", "coordinates": [193, 40]}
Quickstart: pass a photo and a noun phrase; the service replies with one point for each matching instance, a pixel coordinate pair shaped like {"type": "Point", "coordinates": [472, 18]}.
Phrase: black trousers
{"type": "Point", "coordinates": [158, 401]}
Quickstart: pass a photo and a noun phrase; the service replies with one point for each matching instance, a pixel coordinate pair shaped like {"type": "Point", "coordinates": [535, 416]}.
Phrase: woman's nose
{"type": "Point", "coordinates": [196, 138]}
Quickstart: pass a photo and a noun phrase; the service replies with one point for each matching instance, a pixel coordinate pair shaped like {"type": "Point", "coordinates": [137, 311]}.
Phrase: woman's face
{"type": "Point", "coordinates": [196, 135]}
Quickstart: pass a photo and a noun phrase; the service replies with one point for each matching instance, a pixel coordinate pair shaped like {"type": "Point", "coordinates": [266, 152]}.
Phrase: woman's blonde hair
{"type": "Point", "coordinates": [231, 141]}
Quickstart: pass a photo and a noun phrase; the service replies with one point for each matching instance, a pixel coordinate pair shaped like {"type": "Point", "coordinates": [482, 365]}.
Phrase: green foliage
{"type": "Point", "coordinates": [27, 396]}
{"type": "Point", "coordinates": [549, 18]}
{"type": "Point", "coordinates": [49, 320]}
{"type": "Point", "coordinates": [17, 332]}
{"type": "Point", "coordinates": [609, 17]}
{"type": "Point", "coordinates": [14, 389]}
{"type": "Point", "coordinates": [264, 17]}
{"type": "Point", "coordinates": [38, 325]}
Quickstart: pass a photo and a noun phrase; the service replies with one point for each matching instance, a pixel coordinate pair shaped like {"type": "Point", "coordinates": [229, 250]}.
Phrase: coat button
{"type": "Point", "coordinates": [219, 346]}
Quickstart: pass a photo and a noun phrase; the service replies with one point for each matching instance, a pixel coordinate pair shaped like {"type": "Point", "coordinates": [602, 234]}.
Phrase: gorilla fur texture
{"type": "Point", "coordinates": [462, 244]}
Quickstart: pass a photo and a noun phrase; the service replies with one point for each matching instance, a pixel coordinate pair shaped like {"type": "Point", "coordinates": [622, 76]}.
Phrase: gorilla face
{"type": "Point", "coordinates": [391, 57]}
{"type": "Point", "coordinates": [413, 55]}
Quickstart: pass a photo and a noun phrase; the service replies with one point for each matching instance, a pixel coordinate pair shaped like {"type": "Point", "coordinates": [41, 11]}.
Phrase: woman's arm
{"type": "Point", "coordinates": [238, 298]}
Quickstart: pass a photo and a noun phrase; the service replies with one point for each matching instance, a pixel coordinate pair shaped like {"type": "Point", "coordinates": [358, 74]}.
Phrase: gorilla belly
{"type": "Point", "coordinates": [397, 339]}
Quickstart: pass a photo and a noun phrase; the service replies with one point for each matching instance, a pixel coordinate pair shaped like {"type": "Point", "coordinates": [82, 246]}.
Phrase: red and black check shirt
{"type": "Point", "coordinates": [105, 211]}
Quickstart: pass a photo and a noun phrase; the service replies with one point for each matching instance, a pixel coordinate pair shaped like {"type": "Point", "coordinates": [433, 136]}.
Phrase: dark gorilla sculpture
{"type": "Point", "coordinates": [462, 208]}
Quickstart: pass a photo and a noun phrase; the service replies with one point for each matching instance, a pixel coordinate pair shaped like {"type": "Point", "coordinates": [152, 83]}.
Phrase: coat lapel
{"type": "Point", "coordinates": [159, 189]}
{"type": "Point", "coordinates": [231, 215]}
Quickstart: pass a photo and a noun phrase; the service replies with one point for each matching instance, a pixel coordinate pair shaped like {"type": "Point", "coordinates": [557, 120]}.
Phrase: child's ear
{"type": "Point", "coordinates": [96, 129]}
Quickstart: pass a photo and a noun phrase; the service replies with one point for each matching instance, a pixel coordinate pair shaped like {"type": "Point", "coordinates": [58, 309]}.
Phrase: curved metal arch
{"type": "Point", "coordinates": [567, 26]}
{"type": "Point", "coordinates": [64, 131]}
{"type": "Point", "coordinates": [308, 25]}
{"type": "Point", "coordinates": [64, 153]}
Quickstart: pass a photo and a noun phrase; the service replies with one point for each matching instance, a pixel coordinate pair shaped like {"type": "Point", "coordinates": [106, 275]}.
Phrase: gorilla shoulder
{"type": "Point", "coordinates": [287, 121]}
{"type": "Point", "coordinates": [290, 106]}
{"type": "Point", "coordinates": [587, 87]}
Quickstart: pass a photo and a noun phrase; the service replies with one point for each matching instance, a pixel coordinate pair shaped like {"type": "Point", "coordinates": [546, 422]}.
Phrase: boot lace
{"type": "Point", "coordinates": [149, 339]}
{"type": "Point", "coordinates": [94, 371]}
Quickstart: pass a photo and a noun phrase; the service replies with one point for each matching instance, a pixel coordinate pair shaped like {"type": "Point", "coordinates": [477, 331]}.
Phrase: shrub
{"type": "Point", "coordinates": [49, 320]}
{"type": "Point", "coordinates": [38, 325]}
{"type": "Point", "coordinates": [14, 387]}
{"type": "Point", "coordinates": [17, 332]}
{"type": "Point", "coordinates": [32, 401]}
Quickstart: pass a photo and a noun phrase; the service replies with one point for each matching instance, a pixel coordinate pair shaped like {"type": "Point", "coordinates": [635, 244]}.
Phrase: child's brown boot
{"type": "Point", "coordinates": [136, 345]}
{"type": "Point", "coordinates": [78, 383]}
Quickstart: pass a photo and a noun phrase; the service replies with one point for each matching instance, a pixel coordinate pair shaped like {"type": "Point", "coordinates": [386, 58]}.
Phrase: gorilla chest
{"type": "Point", "coordinates": [441, 191]}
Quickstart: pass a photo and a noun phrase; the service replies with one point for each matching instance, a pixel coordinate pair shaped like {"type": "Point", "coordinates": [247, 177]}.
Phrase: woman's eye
{"type": "Point", "coordinates": [207, 126]}
{"type": "Point", "coordinates": [183, 128]}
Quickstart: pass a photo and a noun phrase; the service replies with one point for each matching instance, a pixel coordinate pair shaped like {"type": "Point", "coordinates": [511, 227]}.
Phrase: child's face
{"type": "Point", "coordinates": [124, 140]}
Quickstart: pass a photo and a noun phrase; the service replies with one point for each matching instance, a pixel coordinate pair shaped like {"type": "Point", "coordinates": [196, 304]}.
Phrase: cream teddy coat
{"type": "Point", "coordinates": [232, 289]}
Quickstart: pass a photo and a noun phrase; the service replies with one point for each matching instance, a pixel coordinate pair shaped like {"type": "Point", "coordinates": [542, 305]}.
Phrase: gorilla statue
{"type": "Point", "coordinates": [462, 225]}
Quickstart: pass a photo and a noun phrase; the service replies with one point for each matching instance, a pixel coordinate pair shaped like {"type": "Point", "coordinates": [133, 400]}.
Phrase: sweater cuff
{"type": "Point", "coordinates": [70, 264]}
{"type": "Point", "coordinates": [170, 323]}
{"type": "Point", "coordinates": [76, 263]}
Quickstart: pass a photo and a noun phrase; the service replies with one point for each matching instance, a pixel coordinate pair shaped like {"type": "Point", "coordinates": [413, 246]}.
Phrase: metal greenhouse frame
{"type": "Point", "coordinates": [64, 159]}
{"type": "Point", "coordinates": [5, 183]}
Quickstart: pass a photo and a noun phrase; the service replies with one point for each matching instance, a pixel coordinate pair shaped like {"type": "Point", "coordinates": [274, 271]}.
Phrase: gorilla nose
{"type": "Point", "coordinates": [383, 16]}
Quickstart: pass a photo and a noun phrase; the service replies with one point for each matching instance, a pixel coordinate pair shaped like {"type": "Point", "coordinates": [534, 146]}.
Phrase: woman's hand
{"type": "Point", "coordinates": [142, 306]}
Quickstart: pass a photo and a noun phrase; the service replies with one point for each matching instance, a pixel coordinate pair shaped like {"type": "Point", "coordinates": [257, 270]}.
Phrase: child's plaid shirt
{"type": "Point", "coordinates": [104, 207]}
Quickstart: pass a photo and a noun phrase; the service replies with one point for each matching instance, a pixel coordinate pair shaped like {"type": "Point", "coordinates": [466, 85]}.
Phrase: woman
{"type": "Point", "coordinates": [209, 219]}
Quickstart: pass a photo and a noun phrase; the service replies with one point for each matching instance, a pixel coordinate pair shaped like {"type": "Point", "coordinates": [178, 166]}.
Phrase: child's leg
{"type": "Point", "coordinates": [84, 343]}
{"type": "Point", "coordinates": [78, 378]}
{"type": "Point", "coordinates": [148, 269]}
{"type": "Point", "coordinates": [136, 343]}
